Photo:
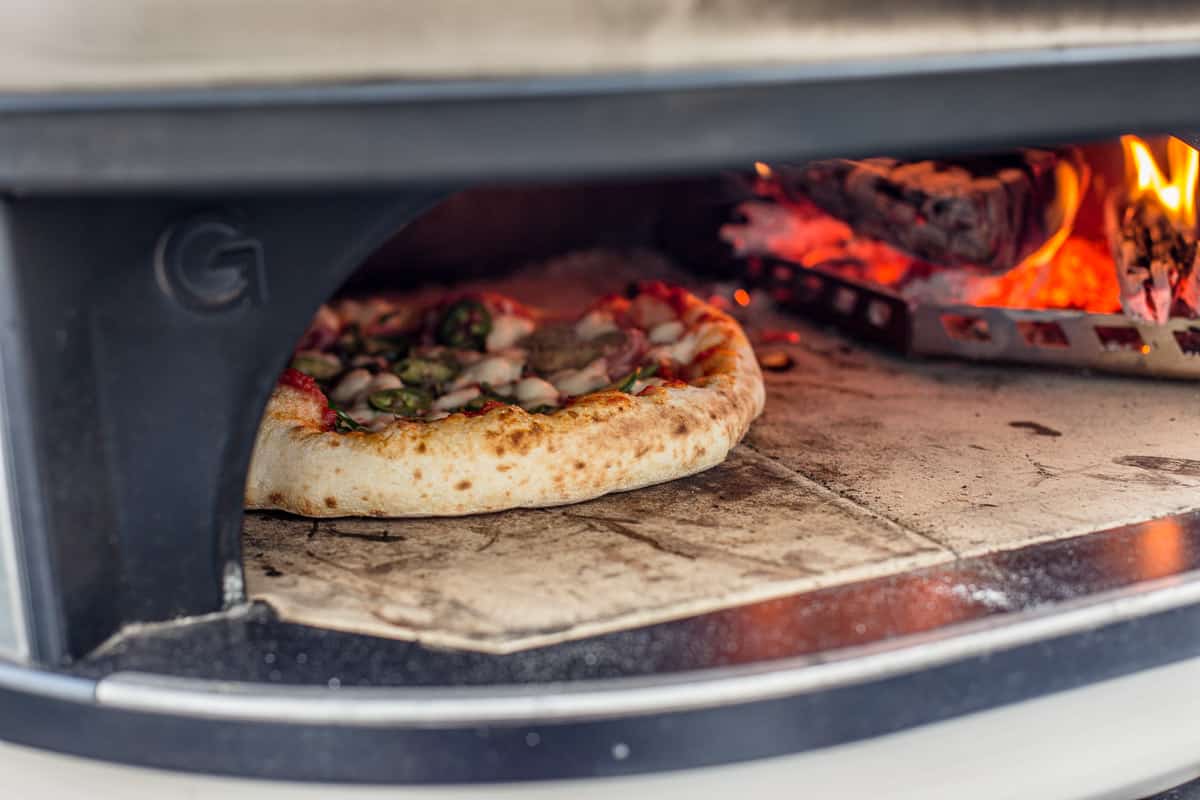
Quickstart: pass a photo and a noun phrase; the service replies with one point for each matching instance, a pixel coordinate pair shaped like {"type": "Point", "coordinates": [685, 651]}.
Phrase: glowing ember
{"type": "Point", "coordinates": [1073, 269]}
{"type": "Point", "coordinates": [741, 297]}
{"type": "Point", "coordinates": [1079, 276]}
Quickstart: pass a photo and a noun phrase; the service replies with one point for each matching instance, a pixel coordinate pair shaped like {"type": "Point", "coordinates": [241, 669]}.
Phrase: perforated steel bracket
{"type": "Point", "coordinates": [1076, 339]}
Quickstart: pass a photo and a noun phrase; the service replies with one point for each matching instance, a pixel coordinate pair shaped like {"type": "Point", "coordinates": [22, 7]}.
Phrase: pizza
{"type": "Point", "coordinates": [474, 402]}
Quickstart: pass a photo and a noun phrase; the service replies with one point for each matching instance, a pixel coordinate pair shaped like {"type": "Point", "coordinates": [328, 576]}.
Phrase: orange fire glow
{"type": "Point", "coordinates": [1177, 194]}
{"type": "Point", "coordinates": [1080, 276]}
{"type": "Point", "coordinates": [1161, 549]}
{"type": "Point", "coordinates": [1072, 269]}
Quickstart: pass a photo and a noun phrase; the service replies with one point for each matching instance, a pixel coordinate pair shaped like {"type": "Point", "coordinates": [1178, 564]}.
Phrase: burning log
{"type": "Point", "coordinates": [1151, 227]}
{"type": "Point", "coordinates": [1155, 261]}
{"type": "Point", "coordinates": [991, 213]}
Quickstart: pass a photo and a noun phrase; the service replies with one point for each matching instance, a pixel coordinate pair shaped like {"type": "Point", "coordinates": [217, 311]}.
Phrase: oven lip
{"type": "Point", "coordinates": [462, 132]}
{"type": "Point", "coordinates": [965, 668]}
{"type": "Point", "coordinates": [586, 701]}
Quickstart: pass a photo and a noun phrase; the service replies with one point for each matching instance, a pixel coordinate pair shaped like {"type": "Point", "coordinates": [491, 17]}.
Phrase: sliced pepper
{"type": "Point", "coordinates": [321, 369]}
{"type": "Point", "coordinates": [345, 423]}
{"type": "Point", "coordinates": [465, 324]}
{"type": "Point", "coordinates": [405, 401]}
{"type": "Point", "coordinates": [417, 371]}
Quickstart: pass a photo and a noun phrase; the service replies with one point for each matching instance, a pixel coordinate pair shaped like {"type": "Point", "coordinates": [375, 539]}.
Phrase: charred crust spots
{"type": "Point", "coordinates": [641, 451]}
{"type": "Point", "coordinates": [331, 502]}
{"type": "Point", "coordinates": [462, 486]}
{"type": "Point", "coordinates": [335, 442]}
{"type": "Point", "coordinates": [275, 497]}
{"type": "Point", "coordinates": [516, 437]}
{"type": "Point", "coordinates": [500, 452]}
{"type": "Point", "coordinates": [503, 467]}
{"type": "Point", "coordinates": [417, 475]}
{"type": "Point", "coordinates": [580, 465]}
{"type": "Point", "coordinates": [421, 447]}
{"type": "Point", "coordinates": [681, 429]}
{"type": "Point", "coordinates": [337, 470]}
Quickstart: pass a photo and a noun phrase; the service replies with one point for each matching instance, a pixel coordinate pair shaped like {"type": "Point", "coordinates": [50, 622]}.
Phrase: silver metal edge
{"type": "Point", "coordinates": [666, 79]}
{"type": "Point", "coordinates": [11, 577]}
{"type": "Point", "coordinates": [19, 678]}
{"type": "Point", "coordinates": [597, 700]}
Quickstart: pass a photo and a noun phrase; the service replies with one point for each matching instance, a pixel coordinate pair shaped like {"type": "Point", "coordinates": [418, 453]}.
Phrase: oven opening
{"type": "Point", "coordinates": [966, 418]}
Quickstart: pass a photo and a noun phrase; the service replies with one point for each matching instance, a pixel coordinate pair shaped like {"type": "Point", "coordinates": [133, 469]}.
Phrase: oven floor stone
{"type": "Point", "coordinates": [864, 464]}
{"type": "Point", "coordinates": [749, 529]}
{"type": "Point", "coordinates": [982, 458]}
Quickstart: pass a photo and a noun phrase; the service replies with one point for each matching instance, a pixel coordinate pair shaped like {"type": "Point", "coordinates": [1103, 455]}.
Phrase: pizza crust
{"type": "Point", "coordinates": [608, 441]}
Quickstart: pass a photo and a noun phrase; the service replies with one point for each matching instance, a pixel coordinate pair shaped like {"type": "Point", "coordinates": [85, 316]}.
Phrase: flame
{"type": "Point", "coordinates": [741, 297]}
{"type": "Point", "coordinates": [1177, 194]}
{"type": "Point", "coordinates": [763, 170]}
{"type": "Point", "coordinates": [1079, 276]}
{"type": "Point", "coordinates": [1068, 193]}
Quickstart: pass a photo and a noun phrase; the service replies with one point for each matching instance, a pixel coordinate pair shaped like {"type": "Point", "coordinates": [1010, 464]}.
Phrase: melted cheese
{"type": "Point", "coordinates": [493, 370]}
{"type": "Point", "coordinates": [575, 382]}
{"type": "Point", "coordinates": [507, 330]}
{"type": "Point", "coordinates": [665, 332]}
{"type": "Point", "coordinates": [456, 399]}
{"type": "Point", "coordinates": [350, 387]}
{"type": "Point", "coordinates": [534, 392]}
{"type": "Point", "coordinates": [649, 311]}
{"type": "Point", "coordinates": [595, 323]}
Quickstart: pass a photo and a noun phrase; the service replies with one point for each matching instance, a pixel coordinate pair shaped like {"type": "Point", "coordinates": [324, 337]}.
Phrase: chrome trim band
{"type": "Point", "coordinates": [595, 700]}
{"type": "Point", "coordinates": [16, 678]}
{"type": "Point", "coordinates": [12, 581]}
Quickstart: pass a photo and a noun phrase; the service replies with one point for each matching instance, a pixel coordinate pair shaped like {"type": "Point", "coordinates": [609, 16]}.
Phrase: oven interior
{"type": "Point", "coordinates": [1000, 463]}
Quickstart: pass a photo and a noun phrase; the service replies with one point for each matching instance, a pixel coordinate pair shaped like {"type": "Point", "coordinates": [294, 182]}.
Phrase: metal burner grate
{"type": "Point", "coordinates": [1103, 342]}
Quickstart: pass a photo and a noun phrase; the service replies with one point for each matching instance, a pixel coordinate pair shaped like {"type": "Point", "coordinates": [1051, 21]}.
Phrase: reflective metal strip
{"type": "Point", "coordinates": [16, 678]}
{"type": "Point", "coordinates": [14, 635]}
{"type": "Point", "coordinates": [454, 707]}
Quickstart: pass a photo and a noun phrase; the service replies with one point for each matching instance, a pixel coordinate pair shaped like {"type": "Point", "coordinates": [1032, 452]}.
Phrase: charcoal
{"type": "Point", "coordinates": [985, 213]}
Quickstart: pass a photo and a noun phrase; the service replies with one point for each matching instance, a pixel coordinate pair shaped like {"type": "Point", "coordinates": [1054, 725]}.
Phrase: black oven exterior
{"type": "Point", "coordinates": [153, 237]}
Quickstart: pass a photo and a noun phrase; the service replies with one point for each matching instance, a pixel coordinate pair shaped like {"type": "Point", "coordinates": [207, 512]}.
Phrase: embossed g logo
{"type": "Point", "coordinates": [208, 264]}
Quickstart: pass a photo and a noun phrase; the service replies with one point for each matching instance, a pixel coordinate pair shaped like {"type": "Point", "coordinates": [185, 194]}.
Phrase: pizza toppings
{"type": "Point", "coordinates": [594, 324]}
{"type": "Point", "coordinates": [380, 361]}
{"type": "Point", "coordinates": [457, 399]}
{"type": "Point", "coordinates": [666, 332]}
{"type": "Point", "coordinates": [405, 401]}
{"type": "Point", "coordinates": [574, 382]}
{"type": "Point", "coordinates": [318, 365]}
{"type": "Point", "coordinates": [534, 393]}
{"type": "Point", "coordinates": [507, 330]}
{"type": "Point", "coordinates": [495, 370]}
{"type": "Point", "coordinates": [429, 370]}
{"type": "Point", "coordinates": [465, 324]}
{"type": "Point", "coordinates": [352, 384]}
